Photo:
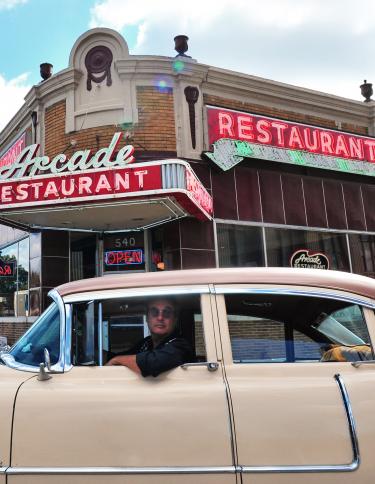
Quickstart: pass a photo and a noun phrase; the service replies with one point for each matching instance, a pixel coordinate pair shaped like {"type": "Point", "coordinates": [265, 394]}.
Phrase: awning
{"type": "Point", "coordinates": [138, 196]}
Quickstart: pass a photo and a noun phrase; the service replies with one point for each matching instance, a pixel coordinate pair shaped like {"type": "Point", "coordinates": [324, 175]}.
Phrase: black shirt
{"type": "Point", "coordinates": [171, 352]}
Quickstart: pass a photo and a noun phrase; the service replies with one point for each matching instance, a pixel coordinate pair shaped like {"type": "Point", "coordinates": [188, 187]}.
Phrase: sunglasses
{"type": "Point", "coordinates": [165, 312]}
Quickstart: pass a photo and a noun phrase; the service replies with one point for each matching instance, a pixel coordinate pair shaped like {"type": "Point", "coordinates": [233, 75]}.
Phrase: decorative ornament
{"type": "Point", "coordinates": [98, 64]}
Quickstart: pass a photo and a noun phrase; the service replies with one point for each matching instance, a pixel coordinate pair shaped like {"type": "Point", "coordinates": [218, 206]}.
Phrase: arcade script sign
{"type": "Point", "coordinates": [235, 136]}
{"type": "Point", "coordinates": [36, 180]}
{"type": "Point", "coordinates": [303, 258]}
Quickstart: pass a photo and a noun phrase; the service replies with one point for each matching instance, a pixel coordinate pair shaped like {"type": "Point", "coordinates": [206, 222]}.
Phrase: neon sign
{"type": "Point", "coordinates": [124, 257]}
{"type": "Point", "coordinates": [266, 131]}
{"type": "Point", "coordinates": [13, 152]}
{"type": "Point", "coordinates": [228, 153]}
{"type": "Point", "coordinates": [7, 269]}
{"type": "Point", "coordinates": [28, 164]}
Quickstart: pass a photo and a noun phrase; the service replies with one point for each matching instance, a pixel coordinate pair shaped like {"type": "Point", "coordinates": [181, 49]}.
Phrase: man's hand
{"type": "Point", "coordinates": [125, 360]}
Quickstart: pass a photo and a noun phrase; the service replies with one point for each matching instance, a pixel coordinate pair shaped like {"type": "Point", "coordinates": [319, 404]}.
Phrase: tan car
{"type": "Point", "coordinates": [281, 388]}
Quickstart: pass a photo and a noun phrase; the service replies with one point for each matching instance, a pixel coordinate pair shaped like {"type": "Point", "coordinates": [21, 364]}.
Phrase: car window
{"type": "Point", "coordinates": [45, 333]}
{"type": "Point", "coordinates": [272, 328]}
{"type": "Point", "coordinates": [109, 327]}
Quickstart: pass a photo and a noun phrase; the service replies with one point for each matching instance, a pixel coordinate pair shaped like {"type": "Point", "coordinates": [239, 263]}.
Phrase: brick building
{"type": "Point", "coordinates": [236, 171]}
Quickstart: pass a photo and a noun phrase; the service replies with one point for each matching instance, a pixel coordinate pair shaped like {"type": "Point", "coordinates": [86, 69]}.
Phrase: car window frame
{"type": "Point", "coordinates": [202, 290]}
{"type": "Point", "coordinates": [366, 304]}
{"type": "Point", "coordinates": [59, 366]}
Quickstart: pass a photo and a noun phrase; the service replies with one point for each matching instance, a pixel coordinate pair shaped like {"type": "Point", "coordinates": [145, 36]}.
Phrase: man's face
{"type": "Point", "coordinates": [161, 317]}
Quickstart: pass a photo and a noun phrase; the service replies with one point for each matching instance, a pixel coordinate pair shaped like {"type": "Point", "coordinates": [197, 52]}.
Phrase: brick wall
{"type": "Point", "coordinates": [283, 114]}
{"type": "Point", "coordinates": [155, 130]}
{"type": "Point", "coordinates": [13, 330]}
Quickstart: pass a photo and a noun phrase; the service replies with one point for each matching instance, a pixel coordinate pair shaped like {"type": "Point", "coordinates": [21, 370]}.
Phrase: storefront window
{"type": "Point", "coordinates": [239, 245]}
{"type": "Point", "coordinates": [283, 243]}
{"type": "Point", "coordinates": [14, 279]}
{"type": "Point", "coordinates": [362, 251]}
{"type": "Point", "coordinates": [82, 255]}
{"type": "Point", "coordinates": [124, 252]}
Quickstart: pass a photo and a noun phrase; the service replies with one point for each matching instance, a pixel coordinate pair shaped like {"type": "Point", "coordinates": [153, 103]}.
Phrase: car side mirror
{"type": "Point", "coordinates": [43, 374]}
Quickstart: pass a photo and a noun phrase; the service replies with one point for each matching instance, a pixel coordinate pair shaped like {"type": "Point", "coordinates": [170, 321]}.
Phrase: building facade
{"type": "Point", "coordinates": [124, 163]}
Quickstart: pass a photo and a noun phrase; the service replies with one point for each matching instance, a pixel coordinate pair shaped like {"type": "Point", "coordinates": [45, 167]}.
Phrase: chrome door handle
{"type": "Point", "coordinates": [356, 364]}
{"type": "Point", "coordinates": [211, 365]}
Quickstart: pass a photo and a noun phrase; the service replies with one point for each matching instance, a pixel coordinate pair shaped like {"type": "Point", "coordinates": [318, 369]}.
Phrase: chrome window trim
{"type": "Point", "coordinates": [352, 466]}
{"type": "Point", "coordinates": [55, 296]}
{"type": "Point", "coordinates": [68, 338]}
{"type": "Point", "coordinates": [3, 470]}
{"type": "Point", "coordinates": [121, 470]}
{"type": "Point", "coordinates": [135, 292]}
{"type": "Point", "coordinates": [313, 292]}
{"type": "Point", "coordinates": [57, 367]}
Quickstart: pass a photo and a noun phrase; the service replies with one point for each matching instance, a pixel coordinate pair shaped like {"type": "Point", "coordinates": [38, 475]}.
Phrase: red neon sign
{"type": "Point", "coordinates": [68, 187]}
{"type": "Point", "coordinates": [223, 123]}
{"type": "Point", "coordinates": [7, 269]}
{"type": "Point", "coordinates": [13, 152]}
{"type": "Point", "coordinates": [123, 257]}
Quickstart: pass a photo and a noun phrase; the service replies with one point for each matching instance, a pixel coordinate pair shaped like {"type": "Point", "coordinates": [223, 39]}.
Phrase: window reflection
{"type": "Point", "coordinates": [14, 288]}
{"type": "Point", "coordinates": [283, 243]}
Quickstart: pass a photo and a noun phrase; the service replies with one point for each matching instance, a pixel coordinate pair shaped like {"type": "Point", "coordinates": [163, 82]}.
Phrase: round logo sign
{"type": "Point", "coordinates": [309, 260]}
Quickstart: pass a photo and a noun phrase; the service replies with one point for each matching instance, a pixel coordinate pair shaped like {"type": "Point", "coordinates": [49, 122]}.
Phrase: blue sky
{"type": "Point", "coordinates": [326, 45]}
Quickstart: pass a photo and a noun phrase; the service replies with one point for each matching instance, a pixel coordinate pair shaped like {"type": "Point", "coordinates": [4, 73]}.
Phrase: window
{"type": "Point", "coordinates": [239, 245]}
{"type": "Point", "coordinates": [14, 286]}
{"type": "Point", "coordinates": [45, 333]}
{"type": "Point", "coordinates": [283, 243]}
{"type": "Point", "coordinates": [106, 328]}
{"type": "Point", "coordinates": [295, 328]}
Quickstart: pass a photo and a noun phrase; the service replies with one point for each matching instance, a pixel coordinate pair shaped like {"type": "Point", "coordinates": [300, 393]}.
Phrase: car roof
{"type": "Point", "coordinates": [337, 280]}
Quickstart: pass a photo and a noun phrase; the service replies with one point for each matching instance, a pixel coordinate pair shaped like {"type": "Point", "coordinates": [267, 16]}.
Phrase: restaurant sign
{"type": "Point", "coordinates": [107, 175]}
{"type": "Point", "coordinates": [303, 258]}
{"type": "Point", "coordinates": [235, 136]}
{"type": "Point", "coordinates": [13, 152]}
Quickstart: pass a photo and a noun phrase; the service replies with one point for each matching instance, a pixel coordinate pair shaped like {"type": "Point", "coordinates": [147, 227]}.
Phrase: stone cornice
{"type": "Point", "coordinates": [38, 94]}
{"type": "Point", "coordinates": [222, 83]}
{"type": "Point", "coordinates": [145, 67]}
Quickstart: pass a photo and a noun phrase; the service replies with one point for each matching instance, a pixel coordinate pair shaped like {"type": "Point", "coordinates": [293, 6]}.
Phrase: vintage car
{"type": "Point", "coordinates": [281, 388]}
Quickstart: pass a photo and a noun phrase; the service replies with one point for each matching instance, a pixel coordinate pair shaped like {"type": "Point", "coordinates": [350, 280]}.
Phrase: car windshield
{"type": "Point", "coordinates": [45, 333]}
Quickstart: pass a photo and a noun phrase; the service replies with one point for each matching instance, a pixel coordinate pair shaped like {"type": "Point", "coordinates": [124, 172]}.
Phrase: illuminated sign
{"type": "Point", "coordinates": [199, 193]}
{"type": "Point", "coordinates": [28, 164]}
{"type": "Point", "coordinates": [228, 153]}
{"type": "Point", "coordinates": [273, 135]}
{"type": "Point", "coordinates": [124, 257]}
{"type": "Point", "coordinates": [13, 152]}
{"type": "Point", "coordinates": [7, 268]}
{"type": "Point", "coordinates": [90, 185]}
{"type": "Point", "coordinates": [303, 258]}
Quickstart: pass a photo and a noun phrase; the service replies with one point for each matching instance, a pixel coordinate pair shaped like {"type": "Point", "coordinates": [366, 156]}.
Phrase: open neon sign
{"type": "Point", "coordinates": [124, 257]}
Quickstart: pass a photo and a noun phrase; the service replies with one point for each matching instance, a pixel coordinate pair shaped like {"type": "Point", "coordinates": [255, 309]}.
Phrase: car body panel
{"type": "Point", "coordinates": [288, 415]}
{"type": "Point", "coordinates": [112, 418]}
{"type": "Point", "coordinates": [10, 381]}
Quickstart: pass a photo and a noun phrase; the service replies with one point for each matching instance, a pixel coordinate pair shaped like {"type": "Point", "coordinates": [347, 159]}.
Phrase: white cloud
{"type": "Point", "coordinates": [8, 4]}
{"type": "Point", "coordinates": [12, 95]}
{"type": "Point", "coordinates": [320, 44]}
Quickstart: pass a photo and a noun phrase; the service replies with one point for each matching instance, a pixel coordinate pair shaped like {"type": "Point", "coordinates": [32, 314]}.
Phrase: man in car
{"type": "Point", "coordinates": [164, 349]}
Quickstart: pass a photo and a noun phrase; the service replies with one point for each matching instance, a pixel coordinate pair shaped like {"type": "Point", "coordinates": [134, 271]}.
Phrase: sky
{"type": "Point", "coordinates": [325, 45]}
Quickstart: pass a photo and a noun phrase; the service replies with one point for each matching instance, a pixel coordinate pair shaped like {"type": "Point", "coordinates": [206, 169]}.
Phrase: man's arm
{"type": "Point", "coordinates": [172, 354]}
{"type": "Point", "coordinates": [125, 360]}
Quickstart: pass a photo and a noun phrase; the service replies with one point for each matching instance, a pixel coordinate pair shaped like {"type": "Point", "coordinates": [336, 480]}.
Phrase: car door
{"type": "Point", "coordinates": [300, 414]}
{"type": "Point", "coordinates": [104, 424]}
